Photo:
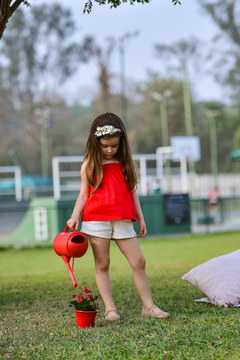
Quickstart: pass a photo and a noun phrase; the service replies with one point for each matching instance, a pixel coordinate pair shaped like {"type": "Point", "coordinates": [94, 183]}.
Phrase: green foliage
{"type": "Point", "coordinates": [85, 303]}
{"type": "Point", "coordinates": [27, 3]}
{"type": "Point", "coordinates": [224, 13]}
{"type": "Point", "coordinates": [225, 47]}
{"type": "Point", "coordinates": [183, 52]}
{"type": "Point", "coordinates": [145, 128]}
{"type": "Point", "coordinates": [115, 3]}
{"type": "Point", "coordinates": [227, 124]}
{"type": "Point", "coordinates": [192, 54]}
{"type": "Point", "coordinates": [88, 7]}
{"type": "Point", "coordinates": [25, 51]}
{"type": "Point", "coordinates": [37, 53]}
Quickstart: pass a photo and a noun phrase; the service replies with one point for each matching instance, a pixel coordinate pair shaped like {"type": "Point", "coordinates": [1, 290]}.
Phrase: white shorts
{"type": "Point", "coordinates": [111, 229]}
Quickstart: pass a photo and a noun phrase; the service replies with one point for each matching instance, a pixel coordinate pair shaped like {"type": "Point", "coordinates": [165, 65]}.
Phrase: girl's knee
{"type": "Point", "coordinates": [140, 263]}
{"type": "Point", "coordinates": [103, 265]}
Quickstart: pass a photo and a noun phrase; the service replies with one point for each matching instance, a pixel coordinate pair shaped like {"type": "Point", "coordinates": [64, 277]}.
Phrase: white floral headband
{"type": "Point", "coordinates": [106, 130]}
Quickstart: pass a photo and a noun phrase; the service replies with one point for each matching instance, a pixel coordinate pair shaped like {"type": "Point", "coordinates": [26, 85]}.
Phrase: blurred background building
{"type": "Point", "coordinates": [168, 71]}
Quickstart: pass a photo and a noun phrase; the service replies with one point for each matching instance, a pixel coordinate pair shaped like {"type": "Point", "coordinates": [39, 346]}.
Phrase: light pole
{"type": "Point", "coordinates": [43, 116]}
{"type": "Point", "coordinates": [162, 99]}
{"type": "Point", "coordinates": [187, 103]}
{"type": "Point", "coordinates": [187, 110]}
{"type": "Point", "coordinates": [120, 43]}
{"type": "Point", "coordinates": [211, 114]}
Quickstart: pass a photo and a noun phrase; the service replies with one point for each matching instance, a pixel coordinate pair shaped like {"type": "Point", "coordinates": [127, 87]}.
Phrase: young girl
{"type": "Point", "coordinates": [109, 204]}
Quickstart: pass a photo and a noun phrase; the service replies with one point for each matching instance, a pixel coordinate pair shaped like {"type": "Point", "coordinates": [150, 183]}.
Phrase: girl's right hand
{"type": "Point", "coordinates": [73, 223]}
{"type": "Point", "coordinates": [142, 227]}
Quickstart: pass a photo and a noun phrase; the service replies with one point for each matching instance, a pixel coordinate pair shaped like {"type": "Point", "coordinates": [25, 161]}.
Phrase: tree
{"type": "Point", "coordinates": [6, 112]}
{"type": "Point", "coordinates": [102, 57]}
{"type": "Point", "coordinates": [8, 8]}
{"type": "Point", "coordinates": [145, 132]}
{"type": "Point", "coordinates": [225, 14]}
{"type": "Point", "coordinates": [145, 127]}
{"type": "Point", "coordinates": [183, 52]}
{"type": "Point", "coordinates": [37, 54]}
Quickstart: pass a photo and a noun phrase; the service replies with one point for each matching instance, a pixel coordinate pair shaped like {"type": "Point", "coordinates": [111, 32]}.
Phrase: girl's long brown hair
{"type": "Point", "coordinates": [93, 153]}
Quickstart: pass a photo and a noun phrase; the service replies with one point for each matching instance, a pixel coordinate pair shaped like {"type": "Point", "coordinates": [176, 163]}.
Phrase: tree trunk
{"type": "Point", "coordinates": [6, 11]}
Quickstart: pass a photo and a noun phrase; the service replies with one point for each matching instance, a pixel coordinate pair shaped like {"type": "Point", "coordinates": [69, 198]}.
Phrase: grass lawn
{"type": "Point", "coordinates": [37, 323]}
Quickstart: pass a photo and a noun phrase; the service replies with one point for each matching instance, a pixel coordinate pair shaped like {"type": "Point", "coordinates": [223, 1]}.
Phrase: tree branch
{"type": "Point", "coordinates": [15, 5]}
{"type": "Point", "coordinates": [6, 11]}
{"type": "Point", "coordinates": [4, 5]}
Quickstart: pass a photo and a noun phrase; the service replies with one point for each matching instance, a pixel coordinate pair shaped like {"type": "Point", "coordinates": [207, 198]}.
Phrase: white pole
{"type": "Point", "coordinates": [160, 167]}
{"type": "Point", "coordinates": [18, 183]}
{"type": "Point", "coordinates": [56, 179]}
{"type": "Point", "coordinates": [163, 154]}
{"type": "Point", "coordinates": [184, 177]}
{"type": "Point", "coordinates": [17, 179]}
{"type": "Point", "coordinates": [143, 176]}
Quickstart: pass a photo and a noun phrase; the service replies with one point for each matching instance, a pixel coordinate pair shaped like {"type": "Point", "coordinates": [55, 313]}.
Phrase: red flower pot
{"type": "Point", "coordinates": [85, 318]}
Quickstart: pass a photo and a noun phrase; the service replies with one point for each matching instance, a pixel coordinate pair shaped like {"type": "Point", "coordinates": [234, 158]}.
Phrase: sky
{"type": "Point", "coordinates": [157, 22]}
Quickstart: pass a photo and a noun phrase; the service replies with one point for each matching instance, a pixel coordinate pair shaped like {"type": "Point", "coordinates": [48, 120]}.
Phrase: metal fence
{"type": "Point", "coordinates": [225, 216]}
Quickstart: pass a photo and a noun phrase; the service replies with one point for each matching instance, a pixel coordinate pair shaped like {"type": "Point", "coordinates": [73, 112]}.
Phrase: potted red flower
{"type": "Point", "coordinates": [85, 307]}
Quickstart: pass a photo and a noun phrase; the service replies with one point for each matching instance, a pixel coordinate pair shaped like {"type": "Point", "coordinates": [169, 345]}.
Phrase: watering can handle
{"type": "Point", "coordinates": [66, 229]}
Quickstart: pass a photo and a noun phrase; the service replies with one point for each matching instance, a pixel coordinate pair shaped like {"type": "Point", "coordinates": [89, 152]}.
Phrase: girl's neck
{"type": "Point", "coordinates": [112, 160]}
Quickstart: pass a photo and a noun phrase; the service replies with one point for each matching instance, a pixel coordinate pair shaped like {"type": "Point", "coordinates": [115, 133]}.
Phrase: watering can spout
{"type": "Point", "coordinates": [67, 259]}
{"type": "Point", "coordinates": [70, 245]}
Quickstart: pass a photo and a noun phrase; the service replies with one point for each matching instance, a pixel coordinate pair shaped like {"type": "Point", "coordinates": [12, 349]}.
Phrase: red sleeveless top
{"type": "Point", "coordinates": [113, 200]}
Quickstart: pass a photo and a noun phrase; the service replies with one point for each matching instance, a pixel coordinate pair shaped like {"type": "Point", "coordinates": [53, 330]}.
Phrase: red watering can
{"type": "Point", "coordinates": [69, 245]}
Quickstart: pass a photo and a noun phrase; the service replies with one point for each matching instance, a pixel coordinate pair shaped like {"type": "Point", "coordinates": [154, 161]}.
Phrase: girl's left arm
{"type": "Point", "coordinates": [82, 199]}
{"type": "Point", "coordinates": [140, 218]}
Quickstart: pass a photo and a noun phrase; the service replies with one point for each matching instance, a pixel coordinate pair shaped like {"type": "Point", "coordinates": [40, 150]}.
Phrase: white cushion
{"type": "Point", "coordinates": [218, 278]}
